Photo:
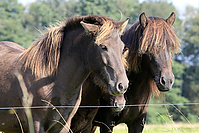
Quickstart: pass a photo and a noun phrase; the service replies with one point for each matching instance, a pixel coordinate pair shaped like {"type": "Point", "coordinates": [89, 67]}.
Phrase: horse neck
{"type": "Point", "coordinates": [138, 76]}
{"type": "Point", "coordinates": [140, 88]}
{"type": "Point", "coordinates": [73, 67]}
{"type": "Point", "coordinates": [91, 92]}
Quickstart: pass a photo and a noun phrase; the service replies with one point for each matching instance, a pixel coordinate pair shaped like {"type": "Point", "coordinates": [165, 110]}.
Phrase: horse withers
{"type": "Point", "coordinates": [54, 68]}
{"type": "Point", "coordinates": [151, 42]}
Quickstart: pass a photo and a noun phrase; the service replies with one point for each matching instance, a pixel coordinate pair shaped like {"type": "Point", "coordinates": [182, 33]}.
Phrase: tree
{"type": "Point", "coordinates": [159, 8]}
{"type": "Point", "coordinates": [190, 49]}
{"type": "Point", "coordinates": [112, 8]}
{"type": "Point", "coordinates": [11, 13]}
{"type": "Point", "coordinates": [190, 39]}
{"type": "Point", "coordinates": [43, 13]}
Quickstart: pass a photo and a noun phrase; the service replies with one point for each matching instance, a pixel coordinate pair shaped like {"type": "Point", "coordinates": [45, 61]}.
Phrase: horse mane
{"type": "Point", "coordinates": [152, 40]}
{"type": "Point", "coordinates": [148, 87]}
{"type": "Point", "coordinates": [44, 54]}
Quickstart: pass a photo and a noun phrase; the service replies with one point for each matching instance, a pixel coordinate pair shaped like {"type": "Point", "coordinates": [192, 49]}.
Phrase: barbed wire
{"type": "Point", "coordinates": [136, 105]}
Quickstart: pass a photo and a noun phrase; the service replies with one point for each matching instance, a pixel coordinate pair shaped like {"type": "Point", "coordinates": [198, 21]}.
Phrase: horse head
{"type": "Point", "coordinates": [118, 103]}
{"type": "Point", "coordinates": [158, 43]}
{"type": "Point", "coordinates": [106, 54]}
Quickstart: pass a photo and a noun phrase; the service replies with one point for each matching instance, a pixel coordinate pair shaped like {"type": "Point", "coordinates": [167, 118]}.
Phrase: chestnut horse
{"type": "Point", "coordinates": [54, 68]}
{"type": "Point", "coordinates": [151, 42]}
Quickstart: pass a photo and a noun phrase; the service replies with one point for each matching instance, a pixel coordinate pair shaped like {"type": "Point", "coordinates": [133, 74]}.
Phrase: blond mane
{"type": "Point", "coordinates": [44, 54]}
{"type": "Point", "coordinates": [156, 36]}
{"type": "Point", "coordinates": [104, 32]}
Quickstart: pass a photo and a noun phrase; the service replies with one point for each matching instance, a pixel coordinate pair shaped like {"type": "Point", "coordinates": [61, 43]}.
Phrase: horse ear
{"type": "Point", "coordinates": [90, 27]}
{"type": "Point", "coordinates": [121, 25]}
{"type": "Point", "coordinates": [143, 20]}
{"type": "Point", "coordinates": [171, 18]}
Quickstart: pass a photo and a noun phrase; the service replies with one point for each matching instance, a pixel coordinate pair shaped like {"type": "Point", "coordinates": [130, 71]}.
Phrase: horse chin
{"type": "Point", "coordinates": [117, 109]}
{"type": "Point", "coordinates": [162, 88]}
{"type": "Point", "coordinates": [118, 104]}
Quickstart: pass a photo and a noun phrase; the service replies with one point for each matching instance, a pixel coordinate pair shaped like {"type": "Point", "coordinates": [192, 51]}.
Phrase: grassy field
{"type": "Point", "coordinates": [166, 128]}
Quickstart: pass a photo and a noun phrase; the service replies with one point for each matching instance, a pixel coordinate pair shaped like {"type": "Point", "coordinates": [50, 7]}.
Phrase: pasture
{"type": "Point", "coordinates": [162, 128]}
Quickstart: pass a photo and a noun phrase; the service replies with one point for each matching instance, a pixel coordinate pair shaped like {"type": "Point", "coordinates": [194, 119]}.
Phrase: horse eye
{"type": "Point", "coordinates": [104, 47]}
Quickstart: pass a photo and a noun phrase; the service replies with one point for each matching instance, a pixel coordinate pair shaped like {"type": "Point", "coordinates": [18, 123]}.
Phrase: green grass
{"type": "Point", "coordinates": [169, 126]}
{"type": "Point", "coordinates": [164, 128]}
{"type": "Point", "coordinates": [118, 129]}
{"type": "Point", "coordinates": [172, 128]}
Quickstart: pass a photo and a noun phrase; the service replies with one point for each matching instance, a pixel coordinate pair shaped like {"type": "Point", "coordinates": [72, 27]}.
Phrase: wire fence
{"type": "Point", "coordinates": [136, 105]}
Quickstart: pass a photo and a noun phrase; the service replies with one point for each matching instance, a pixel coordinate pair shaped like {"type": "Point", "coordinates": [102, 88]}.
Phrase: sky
{"type": "Point", "coordinates": [179, 4]}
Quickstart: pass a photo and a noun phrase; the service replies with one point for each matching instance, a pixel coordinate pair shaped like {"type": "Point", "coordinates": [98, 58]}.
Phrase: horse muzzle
{"type": "Point", "coordinates": [165, 82]}
{"type": "Point", "coordinates": [118, 103]}
{"type": "Point", "coordinates": [118, 107]}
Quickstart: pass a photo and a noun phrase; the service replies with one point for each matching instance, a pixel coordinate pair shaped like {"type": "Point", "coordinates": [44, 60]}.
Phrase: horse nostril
{"type": "Point", "coordinates": [171, 81]}
{"type": "Point", "coordinates": [162, 81]}
{"type": "Point", "coordinates": [120, 86]}
{"type": "Point", "coordinates": [115, 104]}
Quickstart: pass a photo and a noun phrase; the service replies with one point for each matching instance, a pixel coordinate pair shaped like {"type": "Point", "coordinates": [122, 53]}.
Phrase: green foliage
{"type": "Point", "coordinates": [159, 8]}
{"type": "Point", "coordinates": [190, 28]}
{"type": "Point", "coordinates": [192, 118]}
{"type": "Point", "coordinates": [11, 29]}
{"type": "Point", "coordinates": [178, 70]}
{"type": "Point", "coordinates": [111, 8]}
{"type": "Point", "coordinates": [190, 39]}
{"type": "Point", "coordinates": [43, 13]}
{"type": "Point", "coordinates": [130, 10]}
{"type": "Point", "coordinates": [155, 112]}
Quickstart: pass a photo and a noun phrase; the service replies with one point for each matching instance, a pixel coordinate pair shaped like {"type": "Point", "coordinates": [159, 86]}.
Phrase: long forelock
{"type": "Point", "coordinates": [156, 36]}
{"type": "Point", "coordinates": [106, 25]}
{"type": "Point", "coordinates": [131, 38]}
{"type": "Point", "coordinates": [104, 31]}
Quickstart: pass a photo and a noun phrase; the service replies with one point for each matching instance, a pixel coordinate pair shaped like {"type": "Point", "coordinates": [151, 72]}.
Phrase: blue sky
{"type": "Point", "coordinates": [179, 4]}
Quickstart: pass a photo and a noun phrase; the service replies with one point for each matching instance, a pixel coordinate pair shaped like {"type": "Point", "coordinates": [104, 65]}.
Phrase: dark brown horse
{"type": "Point", "coordinates": [91, 94]}
{"type": "Point", "coordinates": [13, 45]}
{"type": "Point", "coordinates": [54, 68]}
{"type": "Point", "coordinates": [151, 41]}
